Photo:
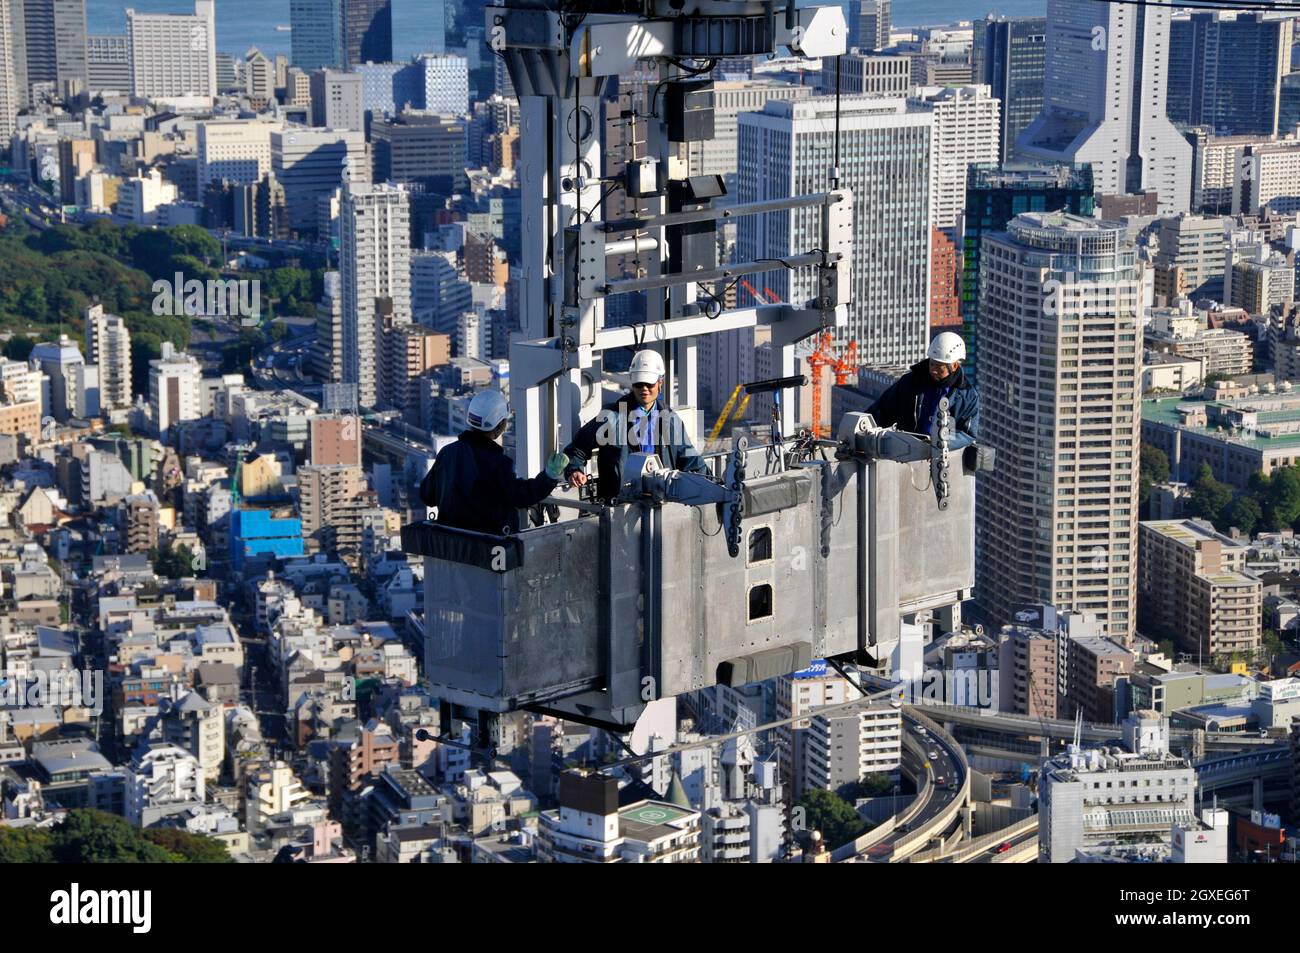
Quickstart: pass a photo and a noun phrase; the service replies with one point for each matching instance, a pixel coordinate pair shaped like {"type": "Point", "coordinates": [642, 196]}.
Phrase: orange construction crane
{"type": "Point", "coordinates": [843, 366]}
{"type": "Point", "coordinates": [772, 295]}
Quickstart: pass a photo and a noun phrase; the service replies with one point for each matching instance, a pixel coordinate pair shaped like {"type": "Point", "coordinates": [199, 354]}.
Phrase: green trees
{"type": "Point", "coordinates": [1154, 468]}
{"type": "Point", "coordinates": [175, 562]}
{"type": "Point", "coordinates": [833, 816]}
{"type": "Point", "coordinates": [1244, 513]}
{"type": "Point", "coordinates": [1282, 504]}
{"type": "Point", "coordinates": [1268, 504]}
{"type": "Point", "coordinates": [94, 837]}
{"type": "Point", "coordinates": [1210, 498]}
{"type": "Point", "coordinates": [191, 848]}
{"type": "Point", "coordinates": [19, 347]}
{"type": "Point", "coordinates": [25, 845]}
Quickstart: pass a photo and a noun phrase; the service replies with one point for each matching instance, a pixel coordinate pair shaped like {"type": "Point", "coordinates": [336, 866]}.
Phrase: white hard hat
{"type": "Point", "coordinates": [488, 409]}
{"type": "Point", "coordinates": [647, 367]}
{"type": "Point", "coordinates": [947, 348]}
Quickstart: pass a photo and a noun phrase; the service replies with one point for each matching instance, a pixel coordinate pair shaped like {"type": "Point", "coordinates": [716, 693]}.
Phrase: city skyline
{"type": "Point", "coordinates": [861, 433]}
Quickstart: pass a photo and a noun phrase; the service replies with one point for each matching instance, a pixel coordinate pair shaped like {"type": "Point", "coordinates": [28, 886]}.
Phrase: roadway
{"type": "Point", "coordinates": [1019, 844]}
{"type": "Point", "coordinates": [28, 203]}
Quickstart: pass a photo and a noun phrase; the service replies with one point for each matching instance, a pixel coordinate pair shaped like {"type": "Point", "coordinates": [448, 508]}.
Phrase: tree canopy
{"type": "Point", "coordinates": [95, 837]}
{"type": "Point", "coordinates": [827, 812]}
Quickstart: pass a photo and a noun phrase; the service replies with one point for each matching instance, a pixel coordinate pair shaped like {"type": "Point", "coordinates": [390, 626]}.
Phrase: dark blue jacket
{"type": "Point", "coordinates": [901, 405]}
{"type": "Point", "coordinates": [474, 487]}
{"type": "Point", "coordinates": [609, 436]}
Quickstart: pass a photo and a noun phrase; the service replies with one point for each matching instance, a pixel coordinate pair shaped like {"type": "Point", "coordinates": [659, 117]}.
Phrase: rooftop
{"type": "Point", "coordinates": [648, 821]}
{"type": "Point", "coordinates": [1165, 412]}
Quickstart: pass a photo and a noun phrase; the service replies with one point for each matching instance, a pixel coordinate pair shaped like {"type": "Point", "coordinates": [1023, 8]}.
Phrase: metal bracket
{"type": "Point", "coordinates": [940, 434]}
{"type": "Point", "coordinates": [734, 510]}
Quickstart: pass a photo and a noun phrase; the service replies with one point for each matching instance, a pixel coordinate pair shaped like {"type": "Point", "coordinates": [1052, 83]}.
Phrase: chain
{"type": "Point", "coordinates": [942, 433]}
{"type": "Point", "coordinates": [737, 487]}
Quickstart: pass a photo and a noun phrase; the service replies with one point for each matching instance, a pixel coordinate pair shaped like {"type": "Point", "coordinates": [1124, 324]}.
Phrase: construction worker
{"type": "Point", "coordinates": [636, 422]}
{"type": "Point", "coordinates": [473, 483]}
{"type": "Point", "coordinates": [912, 401]}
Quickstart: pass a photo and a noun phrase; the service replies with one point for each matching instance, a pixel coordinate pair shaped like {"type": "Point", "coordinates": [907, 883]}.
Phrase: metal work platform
{"type": "Point", "coordinates": [616, 606]}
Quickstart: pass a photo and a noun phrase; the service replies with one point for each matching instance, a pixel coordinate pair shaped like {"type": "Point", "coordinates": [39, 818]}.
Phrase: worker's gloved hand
{"type": "Point", "coordinates": [555, 466]}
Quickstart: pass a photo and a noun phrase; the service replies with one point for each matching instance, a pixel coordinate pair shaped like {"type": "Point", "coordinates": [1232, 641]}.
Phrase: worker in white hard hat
{"type": "Point", "coordinates": [912, 401]}
{"type": "Point", "coordinates": [472, 482]}
{"type": "Point", "coordinates": [637, 422]}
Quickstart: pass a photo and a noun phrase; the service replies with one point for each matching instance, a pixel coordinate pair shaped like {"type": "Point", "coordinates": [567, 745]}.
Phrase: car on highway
{"type": "Point", "coordinates": [1002, 848]}
{"type": "Point", "coordinates": [941, 782]}
{"type": "Point", "coordinates": [934, 756]}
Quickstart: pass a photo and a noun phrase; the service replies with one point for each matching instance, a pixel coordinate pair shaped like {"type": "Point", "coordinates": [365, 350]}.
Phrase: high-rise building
{"type": "Point", "coordinates": [108, 64]}
{"type": "Point", "coordinates": [1288, 106]}
{"type": "Point", "coordinates": [420, 148]}
{"type": "Point", "coordinates": [174, 390]}
{"type": "Point", "coordinates": [1010, 55]}
{"type": "Point", "coordinates": [236, 150]}
{"type": "Point", "coordinates": [336, 101]}
{"type": "Point", "coordinates": [367, 31]}
{"type": "Point", "coordinates": [50, 38]}
{"type": "Point", "coordinates": [297, 90]}
{"type": "Point", "coordinates": [1059, 327]}
{"type": "Point", "coordinates": [311, 163]}
{"type": "Point", "coordinates": [996, 195]}
{"type": "Point", "coordinates": [1104, 101]}
{"type": "Point", "coordinates": [799, 696]}
{"type": "Point", "coordinates": [1261, 282]}
{"type": "Point", "coordinates": [945, 284]}
{"type": "Point", "coordinates": [1092, 665]}
{"type": "Point", "coordinates": [325, 497]}
{"type": "Point", "coordinates": [326, 356]}
{"type": "Point", "coordinates": [1028, 671]}
{"type": "Point", "coordinates": [865, 74]}
{"type": "Point", "coordinates": [340, 34]}
{"type": "Point", "coordinates": [1190, 262]}
{"type": "Point", "coordinates": [718, 156]}
{"type": "Point", "coordinates": [375, 264]}
{"type": "Point", "coordinates": [316, 38]}
{"type": "Point", "coordinates": [173, 56]}
{"type": "Point", "coordinates": [11, 83]}
{"type": "Point", "coordinates": [59, 361]}
{"type": "Point", "coordinates": [335, 441]}
{"type": "Point", "coordinates": [410, 352]}
{"type": "Point", "coordinates": [440, 290]}
{"type": "Point", "coordinates": [966, 121]}
{"type": "Point", "coordinates": [1226, 70]}
{"type": "Point", "coordinates": [845, 747]}
{"type": "Point", "coordinates": [886, 155]}
{"type": "Point", "coordinates": [869, 24]}
{"type": "Point", "coordinates": [76, 159]}
{"type": "Point", "coordinates": [259, 77]}
{"type": "Point", "coordinates": [446, 83]}
{"type": "Point", "coordinates": [1192, 588]}
{"type": "Point", "coordinates": [1267, 176]}
{"type": "Point", "coordinates": [108, 344]}
{"type": "Point", "coordinates": [1215, 161]}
